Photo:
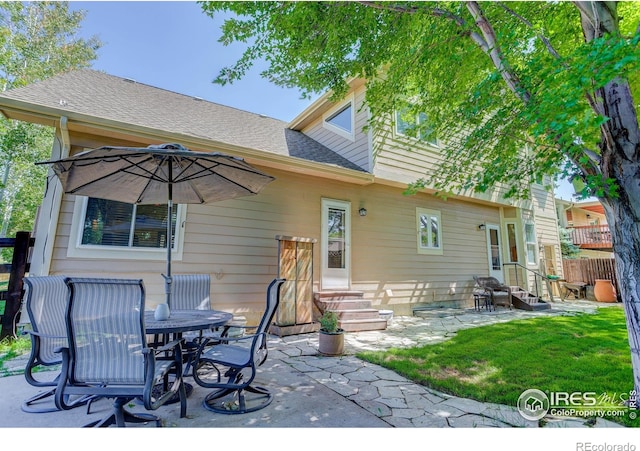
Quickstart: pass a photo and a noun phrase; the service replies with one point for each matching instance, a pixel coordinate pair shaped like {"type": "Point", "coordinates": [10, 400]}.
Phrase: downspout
{"type": "Point", "coordinates": [64, 135]}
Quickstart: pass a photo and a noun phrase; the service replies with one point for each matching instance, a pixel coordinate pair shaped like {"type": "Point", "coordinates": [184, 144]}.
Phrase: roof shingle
{"type": "Point", "coordinates": [107, 97]}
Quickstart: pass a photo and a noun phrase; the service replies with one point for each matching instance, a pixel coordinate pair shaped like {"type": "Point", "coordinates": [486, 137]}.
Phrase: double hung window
{"type": "Point", "coordinates": [429, 225]}
{"type": "Point", "coordinates": [415, 126]}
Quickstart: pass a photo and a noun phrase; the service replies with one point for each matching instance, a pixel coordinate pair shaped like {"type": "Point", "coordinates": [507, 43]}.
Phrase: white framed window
{"type": "Point", "coordinates": [341, 119]}
{"type": "Point", "coordinates": [530, 242]}
{"type": "Point", "coordinates": [429, 228]}
{"type": "Point", "coordinates": [406, 124]}
{"type": "Point", "coordinates": [109, 229]}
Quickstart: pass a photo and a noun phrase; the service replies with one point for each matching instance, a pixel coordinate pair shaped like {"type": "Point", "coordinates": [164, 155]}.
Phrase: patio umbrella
{"type": "Point", "coordinates": [157, 174]}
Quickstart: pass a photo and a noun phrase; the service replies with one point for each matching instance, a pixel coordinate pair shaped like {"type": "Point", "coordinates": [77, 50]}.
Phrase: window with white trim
{"type": "Point", "coordinates": [341, 119]}
{"type": "Point", "coordinates": [429, 228]}
{"type": "Point", "coordinates": [110, 229]}
{"type": "Point", "coordinates": [530, 241]}
{"type": "Point", "coordinates": [414, 126]}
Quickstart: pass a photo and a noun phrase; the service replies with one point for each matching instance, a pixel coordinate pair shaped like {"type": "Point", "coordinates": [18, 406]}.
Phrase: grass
{"type": "Point", "coordinates": [11, 348]}
{"type": "Point", "coordinates": [496, 363]}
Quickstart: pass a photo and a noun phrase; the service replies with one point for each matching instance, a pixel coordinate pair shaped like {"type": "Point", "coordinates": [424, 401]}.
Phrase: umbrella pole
{"type": "Point", "coordinates": [169, 241]}
{"type": "Point", "coordinates": [167, 278]}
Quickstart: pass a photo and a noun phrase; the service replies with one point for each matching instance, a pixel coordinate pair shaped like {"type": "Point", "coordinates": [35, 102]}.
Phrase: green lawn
{"type": "Point", "coordinates": [581, 353]}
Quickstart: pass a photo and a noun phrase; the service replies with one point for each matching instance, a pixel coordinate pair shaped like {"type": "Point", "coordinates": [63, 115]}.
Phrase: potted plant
{"type": "Point", "coordinates": [331, 338]}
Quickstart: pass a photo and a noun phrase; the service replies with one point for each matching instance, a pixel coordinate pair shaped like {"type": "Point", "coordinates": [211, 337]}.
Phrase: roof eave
{"type": "Point", "coordinates": [18, 110]}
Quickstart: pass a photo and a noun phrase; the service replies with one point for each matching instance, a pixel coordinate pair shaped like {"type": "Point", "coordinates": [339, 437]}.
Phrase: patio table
{"type": "Point", "coordinates": [181, 321]}
{"type": "Point", "coordinates": [185, 321]}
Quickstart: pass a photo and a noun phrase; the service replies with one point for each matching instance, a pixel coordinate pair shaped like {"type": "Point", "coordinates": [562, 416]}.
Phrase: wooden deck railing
{"type": "Point", "coordinates": [592, 237]}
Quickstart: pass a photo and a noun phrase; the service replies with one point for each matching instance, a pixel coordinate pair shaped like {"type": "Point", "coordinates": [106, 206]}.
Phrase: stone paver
{"type": "Point", "coordinates": [397, 400]}
{"type": "Point", "coordinates": [391, 397]}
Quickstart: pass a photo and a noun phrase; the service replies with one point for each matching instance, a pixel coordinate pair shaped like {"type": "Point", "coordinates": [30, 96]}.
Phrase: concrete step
{"type": "Point", "coordinates": [359, 314]}
{"type": "Point", "coordinates": [363, 325]}
{"type": "Point", "coordinates": [337, 295]}
{"type": "Point", "coordinates": [343, 304]}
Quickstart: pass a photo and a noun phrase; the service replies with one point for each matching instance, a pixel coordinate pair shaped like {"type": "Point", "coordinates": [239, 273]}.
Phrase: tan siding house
{"type": "Point", "coordinates": [400, 251]}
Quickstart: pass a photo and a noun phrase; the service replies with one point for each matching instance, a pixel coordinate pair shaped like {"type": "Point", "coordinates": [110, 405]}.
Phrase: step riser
{"type": "Point", "coordinates": [358, 314]}
{"type": "Point", "coordinates": [357, 326]}
{"type": "Point", "coordinates": [343, 305]}
{"type": "Point", "coordinates": [337, 295]}
{"type": "Point", "coordinates": [354, 313]}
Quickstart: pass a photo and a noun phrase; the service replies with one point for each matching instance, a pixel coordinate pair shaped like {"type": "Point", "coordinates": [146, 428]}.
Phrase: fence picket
{"type": "Point", "coordinates": [588, 270]}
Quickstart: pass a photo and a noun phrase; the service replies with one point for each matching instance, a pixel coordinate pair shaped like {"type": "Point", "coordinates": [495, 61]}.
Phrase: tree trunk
{"type": "Point", "coordinates": [624, 222]}
{"type": "Point", "coordinates": [620, 161]}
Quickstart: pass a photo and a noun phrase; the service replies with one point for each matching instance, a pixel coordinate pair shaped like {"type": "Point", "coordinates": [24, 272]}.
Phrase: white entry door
{"type": "Point", "coordinates": [335, 244]}
{"type": "Point", "coordinates": [495, 252]}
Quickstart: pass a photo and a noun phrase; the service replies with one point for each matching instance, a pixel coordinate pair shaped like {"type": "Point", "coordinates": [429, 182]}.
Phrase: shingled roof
{"type": "Point", "coordinates": [106, 97]}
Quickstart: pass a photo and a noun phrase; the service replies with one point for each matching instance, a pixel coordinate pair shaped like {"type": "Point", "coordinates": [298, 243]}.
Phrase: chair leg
{"type": "Point", "coordinates": [27, 404]}
{"type": "Point", "coordinates": [233, 402]}
{"type": "Point", "coordinates": [119, 416]}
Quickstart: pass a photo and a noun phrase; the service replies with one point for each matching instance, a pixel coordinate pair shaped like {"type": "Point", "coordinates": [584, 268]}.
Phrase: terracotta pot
{"type": "Point", "coordinates": [604, 291]}
{"type": "Point", "coordinates": [331, 343]}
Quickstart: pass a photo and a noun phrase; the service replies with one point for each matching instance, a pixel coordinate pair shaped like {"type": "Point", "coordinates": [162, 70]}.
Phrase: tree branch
{"type": "Point", "coordinates": [540, 36]}
{"type": "Point", "coordinates": [494, 52]}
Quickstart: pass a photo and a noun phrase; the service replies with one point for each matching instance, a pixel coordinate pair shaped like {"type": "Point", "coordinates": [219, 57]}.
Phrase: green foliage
{"type": "Point", "coordinates": [329, 322]}
{"type": "Point", "coordinates": [407, 50]}
{"type": "Point", "coordinates": [567, 248]}
{"type": "Point", "coordinates": [11, 348]}
{"type": "Point", "coordinates": [37, 40]}
{"type": "Point", "coordinates": [585, 352]}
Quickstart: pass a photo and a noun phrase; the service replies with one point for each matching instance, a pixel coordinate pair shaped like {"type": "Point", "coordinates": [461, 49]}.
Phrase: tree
{"type": "Point", "coordinates": [525, 90]}
{"type": "Point", "coordinates": [37, 40]}
{"type": "Point", "coordinates": [567, 248]}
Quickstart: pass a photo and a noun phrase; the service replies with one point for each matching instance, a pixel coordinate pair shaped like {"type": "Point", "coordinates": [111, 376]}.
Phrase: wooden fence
{"type": "Point", "coordinates": [12, 296]}
{"type": "Point", "coordinates": [589, 269]}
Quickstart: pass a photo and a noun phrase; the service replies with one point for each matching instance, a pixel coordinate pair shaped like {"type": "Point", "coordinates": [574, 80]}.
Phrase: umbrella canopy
{"type": "Point", "coordinates": [158, 174]}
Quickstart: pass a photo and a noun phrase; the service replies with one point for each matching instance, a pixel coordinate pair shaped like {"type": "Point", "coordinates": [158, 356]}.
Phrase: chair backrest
{"type": "Point", "coordinates": [105, 323]}
{"type": "Point", "coordinates": [489, 282]}
{"type": "Point", "coordinates": [273, 300]}
{"type": "Point", "coordinates": [190, 292]}
{"type": "Point", "coordinates": [46, 300]}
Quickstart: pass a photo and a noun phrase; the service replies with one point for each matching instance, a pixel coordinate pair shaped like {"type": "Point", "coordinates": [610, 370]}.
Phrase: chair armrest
{"type": "Point", "coordinates": [227, 327]}
{"type": "Point", "coordinates": [167, 346]}
{"type": "Point", "coordinates": [38, 334]}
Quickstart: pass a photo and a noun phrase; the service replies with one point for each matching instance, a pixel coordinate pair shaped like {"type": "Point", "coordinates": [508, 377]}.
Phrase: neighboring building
{"type": "Point", "coordinates": [334, 183]}
{"type": "Point", "coordinates": [587, 225]}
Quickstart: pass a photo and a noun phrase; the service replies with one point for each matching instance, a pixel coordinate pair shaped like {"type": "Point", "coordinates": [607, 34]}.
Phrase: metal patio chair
{"type": "Point", "coordinates": [192, 292]}
{"type": "Point", "coordinates": [46, 299]}
{"type": "Point", "coordinates": [237, 360]}
{"type": "Point", "coordinates": [108, 354]}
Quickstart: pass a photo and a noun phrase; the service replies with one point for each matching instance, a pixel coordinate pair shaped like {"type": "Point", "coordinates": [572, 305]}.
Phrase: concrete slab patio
{"type": "Point", "coordinates": [313, 391]}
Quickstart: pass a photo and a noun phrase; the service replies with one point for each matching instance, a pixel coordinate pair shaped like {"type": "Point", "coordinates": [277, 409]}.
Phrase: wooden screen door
{"type": "Point", "coordinates": [336, 244]}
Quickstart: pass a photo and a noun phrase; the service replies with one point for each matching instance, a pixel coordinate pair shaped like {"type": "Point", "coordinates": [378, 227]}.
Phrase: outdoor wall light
{"type": "Point", "coordinates": [481, 227]}
{"type": "Point", "coordinates": [362, 211]}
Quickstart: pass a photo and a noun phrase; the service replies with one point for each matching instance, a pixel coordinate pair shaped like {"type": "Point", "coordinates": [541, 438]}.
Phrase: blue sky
{"type": "Point", "coordinates": [174, 45]}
